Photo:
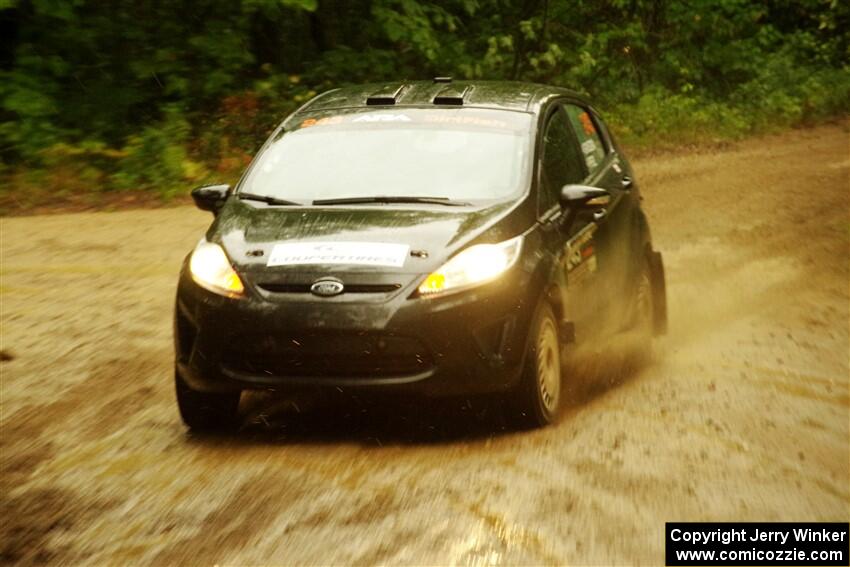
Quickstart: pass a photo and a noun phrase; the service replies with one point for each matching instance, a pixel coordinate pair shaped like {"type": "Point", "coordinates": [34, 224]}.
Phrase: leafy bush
{"type": "Point", "coordinates": [156, 159]}
{"type": "Point", "coordinates": [141, 95]}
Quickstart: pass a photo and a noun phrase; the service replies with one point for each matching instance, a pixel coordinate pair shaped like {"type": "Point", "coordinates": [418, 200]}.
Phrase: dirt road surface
{"type": "Point", "coordinates": [742, 416]}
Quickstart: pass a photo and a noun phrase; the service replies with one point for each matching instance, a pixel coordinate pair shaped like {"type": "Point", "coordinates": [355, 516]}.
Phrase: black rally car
{"type": "Point", "coordinates": [431, 238]}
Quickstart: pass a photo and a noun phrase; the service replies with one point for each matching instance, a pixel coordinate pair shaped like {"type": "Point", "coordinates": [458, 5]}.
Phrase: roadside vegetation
{"type": "Point", "coordinates": [148, 98]}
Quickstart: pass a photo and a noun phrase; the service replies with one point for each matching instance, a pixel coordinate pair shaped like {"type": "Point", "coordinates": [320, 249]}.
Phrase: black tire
{"type": "Point", "coordinates": [659, 293]}
{"type": "Point", "coordinates": [538, 399]}
{"type": "Point", "coordinates": [643, 313]}
{"type": "Point", "coordinates": [203, 411]}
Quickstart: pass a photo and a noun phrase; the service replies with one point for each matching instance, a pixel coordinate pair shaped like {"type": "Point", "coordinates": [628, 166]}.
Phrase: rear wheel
{"type": "Point", "coordinates": [539, 396]}
{"type": "Point", "coordinates": [644, 313]}
{"type": "Point", "coordinates": [204, 411]}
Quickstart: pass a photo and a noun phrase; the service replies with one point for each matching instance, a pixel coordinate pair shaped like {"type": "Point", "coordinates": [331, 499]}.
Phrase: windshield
{"type": "Point", "coordinates": [457, 154]}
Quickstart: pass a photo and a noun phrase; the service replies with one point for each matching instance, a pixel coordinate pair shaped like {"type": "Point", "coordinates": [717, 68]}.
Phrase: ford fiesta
{"type": "Point", "coordinates": [428, 238]}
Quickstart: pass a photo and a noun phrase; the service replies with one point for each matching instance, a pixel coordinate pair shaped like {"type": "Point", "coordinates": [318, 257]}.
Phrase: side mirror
{"type": "Point", "coordinates": [210, 197]}
{"type": "Point", "coordinates": [584, 196]}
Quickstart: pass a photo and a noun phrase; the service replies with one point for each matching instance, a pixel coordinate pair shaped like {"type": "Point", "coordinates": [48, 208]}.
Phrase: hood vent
{"type": "Point", "coordinates": [386, 96]}
{"type": "Point", "coordinates": [452, 96]}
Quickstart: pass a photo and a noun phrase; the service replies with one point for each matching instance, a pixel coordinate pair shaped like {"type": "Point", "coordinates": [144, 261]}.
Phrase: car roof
{"type": "Point", "coordinates": [439, 93]}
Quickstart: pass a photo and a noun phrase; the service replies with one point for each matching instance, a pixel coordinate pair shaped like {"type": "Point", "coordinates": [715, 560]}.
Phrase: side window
{"type": "Point", "coordinates": [561, 160]}
{"type": "Point", "coordinates": [592, 146]}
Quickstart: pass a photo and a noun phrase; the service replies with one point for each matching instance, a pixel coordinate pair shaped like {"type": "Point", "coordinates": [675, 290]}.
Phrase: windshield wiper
{"type": "Point", "coordinates": [269, 200]}
{"type": "Point", "coordinates": [393, 199]}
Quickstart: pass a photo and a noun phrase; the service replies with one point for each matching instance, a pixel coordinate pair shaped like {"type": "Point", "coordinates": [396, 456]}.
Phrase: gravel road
{"type": "Point", "coordinates": [743, 416]}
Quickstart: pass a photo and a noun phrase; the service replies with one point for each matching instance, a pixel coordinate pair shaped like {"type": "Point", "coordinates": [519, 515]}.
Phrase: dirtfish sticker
{"type": "Point", "coordinates": [382, 118]}
{"type": "Point", "coordinates": [351, 253]}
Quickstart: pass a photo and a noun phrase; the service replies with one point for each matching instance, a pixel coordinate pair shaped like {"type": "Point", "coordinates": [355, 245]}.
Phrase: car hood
{"type": "Point", "coordinates": [249, 233]}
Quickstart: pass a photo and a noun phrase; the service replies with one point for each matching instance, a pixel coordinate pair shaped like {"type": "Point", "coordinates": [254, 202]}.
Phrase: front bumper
{"type": "Point", "coordinates": [472, 342]}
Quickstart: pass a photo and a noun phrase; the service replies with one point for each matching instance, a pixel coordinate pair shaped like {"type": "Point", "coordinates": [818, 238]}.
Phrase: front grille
{"type": "Point", "coordinates": [349, 288]}
{"type": "Point", "coordinates": [332, 355]}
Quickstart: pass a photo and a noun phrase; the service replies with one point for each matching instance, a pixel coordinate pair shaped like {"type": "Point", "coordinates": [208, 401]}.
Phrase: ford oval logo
{"type": "Point", "coordinates": [327, 287]}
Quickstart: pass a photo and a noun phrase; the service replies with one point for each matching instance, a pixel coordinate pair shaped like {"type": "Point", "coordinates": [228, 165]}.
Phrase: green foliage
{"type": "Point", "coordinates": [141, 94]}
{"type": "Point", "coordinates": [157, 158]}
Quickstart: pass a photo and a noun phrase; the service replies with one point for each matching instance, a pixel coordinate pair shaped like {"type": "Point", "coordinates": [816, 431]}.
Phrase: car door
{"type": "Point", "coordinates": [610, 226]}
{"type": "Point", "coordinates": [571, 244]}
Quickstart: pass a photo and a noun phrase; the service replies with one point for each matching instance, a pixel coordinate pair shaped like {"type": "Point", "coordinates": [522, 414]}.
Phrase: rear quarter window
{"type": "Point", "coordinates": [561, 163]}
{"type": "Point", "coordinates": [593, 147]}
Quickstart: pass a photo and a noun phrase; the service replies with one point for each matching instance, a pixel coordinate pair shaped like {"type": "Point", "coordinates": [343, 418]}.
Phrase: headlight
{"type": "Point", "coordinates": [211, 269]}
{"type": "Point", "coordinates": [476, 265]}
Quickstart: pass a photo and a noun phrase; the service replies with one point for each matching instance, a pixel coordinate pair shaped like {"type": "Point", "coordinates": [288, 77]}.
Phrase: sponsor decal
{"type": "Point", "coordinates": [470, 120]}
{"type": "Point", "coordinates": [327, 121]}
{"type": "Point", "coordinates": [581, 255]}
{"type": "Point", "coordinates": [350, 253]}
{"type": "Point", "coordinates": [587, 124]}
{"type": "Point", "coordinates": [382, 118]}
{"type": "Point", "coordinates": [430, 117]}
{"type": "Point", "coordinates": [588, 146]}
{"type": "Point", "coordinates": [582, 272]}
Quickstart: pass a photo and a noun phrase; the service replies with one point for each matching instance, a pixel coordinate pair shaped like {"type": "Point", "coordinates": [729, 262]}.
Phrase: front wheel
{"type": "Point", "coordinates": [539, 396]}
{"type": "Point", "coordinates": [204, 411]}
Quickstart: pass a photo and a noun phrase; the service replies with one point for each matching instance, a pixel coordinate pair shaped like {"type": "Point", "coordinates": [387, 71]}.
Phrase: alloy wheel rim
{"type": "Point", "coordinates": [548, 366]}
